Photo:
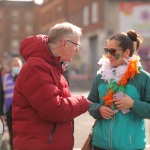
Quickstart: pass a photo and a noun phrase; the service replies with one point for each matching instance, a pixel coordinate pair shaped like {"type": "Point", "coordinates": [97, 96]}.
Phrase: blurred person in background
{"type": "Point", "coordinates": [3, 71]}
{"type": "Point", "coordinates": [120, 124]}
{"type": "Point", "coordinates": [43, 107]}
{"type": "Point", "coordinates": [1, 106]}
{"type": "Point", "coordinates": [1, 92]}
{"type": "Point", "coordinates": [9, 80]}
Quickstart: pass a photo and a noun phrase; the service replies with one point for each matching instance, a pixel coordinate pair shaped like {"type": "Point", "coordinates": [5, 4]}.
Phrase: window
{"type": "Point", "coordinates": [94, 12]}
{"type": "Point", "coordinates": [85, 15]}
{"type": "Point", "coordinates": [1, 29]}
{"type": "Point", "coordinates": [15, 15]}
{"type": "Point", "coordinates": [1, 15]}
{"type": "Point", "coordinates": [15, 44]}
{"type": "Point", "coordinates": [29, 29]}
{"type": "Point", "coordinates": [15, 30]}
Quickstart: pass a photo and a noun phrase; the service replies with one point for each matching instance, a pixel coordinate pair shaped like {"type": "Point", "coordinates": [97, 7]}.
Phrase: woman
{"type": "Point", "coordinates": [120, 118]}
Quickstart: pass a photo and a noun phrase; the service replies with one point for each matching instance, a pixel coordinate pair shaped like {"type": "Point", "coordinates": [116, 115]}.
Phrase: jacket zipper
{"type": "Point", "coordinates": [110, 132]}
{"type": "Point", "coordinates": [52, 133]}
{"type": "Point", "coordinates": [73, 133]}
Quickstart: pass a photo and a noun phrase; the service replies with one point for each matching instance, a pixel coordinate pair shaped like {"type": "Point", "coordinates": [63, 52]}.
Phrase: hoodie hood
{"type": "Point", "coordinates": [35, 46]}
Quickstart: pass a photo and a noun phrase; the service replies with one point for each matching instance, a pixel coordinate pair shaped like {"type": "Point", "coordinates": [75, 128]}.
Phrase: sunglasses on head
{"type": "Point", "coordinates": [112, 51]}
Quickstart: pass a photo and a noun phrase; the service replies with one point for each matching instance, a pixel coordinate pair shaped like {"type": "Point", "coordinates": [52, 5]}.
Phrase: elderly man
{"type": "Point", "coordinates": [43, 108]}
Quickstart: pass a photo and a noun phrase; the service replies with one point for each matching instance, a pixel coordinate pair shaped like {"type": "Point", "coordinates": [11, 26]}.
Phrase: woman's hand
{"type": "Point", "coordinates": [124, 103]}
{"type": "Point", "coordinates": [106, 112]}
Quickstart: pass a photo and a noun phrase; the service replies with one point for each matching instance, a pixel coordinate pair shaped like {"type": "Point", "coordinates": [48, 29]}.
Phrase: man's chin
{"type": "Point", "coordinates": [67, 60]}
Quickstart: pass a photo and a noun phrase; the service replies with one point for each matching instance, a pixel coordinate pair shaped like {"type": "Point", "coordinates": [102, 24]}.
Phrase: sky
{"type": "Point", "coordinates": [38, 2]}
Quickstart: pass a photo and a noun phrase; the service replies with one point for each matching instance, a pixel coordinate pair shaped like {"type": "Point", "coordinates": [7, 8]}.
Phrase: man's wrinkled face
{"type": "Point", "coordinates": [71, 47]}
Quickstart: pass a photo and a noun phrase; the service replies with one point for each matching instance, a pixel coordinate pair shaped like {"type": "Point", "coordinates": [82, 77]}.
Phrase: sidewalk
{"type": "Point", "coordinates": [4, 142]}
{"type": "Point", "coordinates": [84, 123]}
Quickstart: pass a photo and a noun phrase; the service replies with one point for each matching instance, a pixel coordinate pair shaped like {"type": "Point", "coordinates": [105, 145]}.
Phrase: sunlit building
{"type": "Point", "coordinates": [98, 19]}
{"type": "Point", "coordinates": [17, 20]}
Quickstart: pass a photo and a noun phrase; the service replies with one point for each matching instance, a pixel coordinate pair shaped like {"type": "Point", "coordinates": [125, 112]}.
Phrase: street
{"type": "Point", "coordinates": [83, 124]}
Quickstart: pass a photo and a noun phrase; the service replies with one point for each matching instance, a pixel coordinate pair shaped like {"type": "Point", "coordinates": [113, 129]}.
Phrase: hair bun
{"type": "Point", "coordinates": [135, 38]}
{"type": "Point", "coordinates": [132, 35]}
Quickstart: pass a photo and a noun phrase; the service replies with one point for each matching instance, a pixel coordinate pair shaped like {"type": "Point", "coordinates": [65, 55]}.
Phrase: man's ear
{"type": "Point", "coordinates": [63, 44]}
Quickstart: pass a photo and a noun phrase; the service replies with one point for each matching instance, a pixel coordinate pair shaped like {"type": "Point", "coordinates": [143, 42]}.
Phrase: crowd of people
{"type": "Point", "coordinates": [38, 106]}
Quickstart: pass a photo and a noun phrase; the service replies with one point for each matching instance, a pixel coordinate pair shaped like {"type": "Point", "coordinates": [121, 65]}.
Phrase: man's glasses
{"type": "Point", "coordinates": [77, 44]}
{"type": "Point", "coordinates": [112, 51]}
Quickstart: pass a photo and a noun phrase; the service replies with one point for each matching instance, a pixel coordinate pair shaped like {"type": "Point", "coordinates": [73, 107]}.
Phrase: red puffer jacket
{"type": "Point", "coordinates": [42, 99]}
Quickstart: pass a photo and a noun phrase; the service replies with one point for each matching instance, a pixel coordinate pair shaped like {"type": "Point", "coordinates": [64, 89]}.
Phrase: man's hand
{"type": "Point", "coordinates": [90, 102]}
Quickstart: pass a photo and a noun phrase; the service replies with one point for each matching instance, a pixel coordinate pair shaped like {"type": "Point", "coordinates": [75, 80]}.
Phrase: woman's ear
{"type": "Point", "coordinates": [127, 53]}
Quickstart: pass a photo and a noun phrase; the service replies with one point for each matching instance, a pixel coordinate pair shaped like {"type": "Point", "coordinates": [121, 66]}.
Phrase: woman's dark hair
{"type": "Point", "coordinates": [130, 40]}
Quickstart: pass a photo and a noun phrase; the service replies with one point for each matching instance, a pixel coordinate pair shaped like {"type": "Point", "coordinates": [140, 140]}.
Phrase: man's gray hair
{"type": "Point", "coordinates": [63, 30]}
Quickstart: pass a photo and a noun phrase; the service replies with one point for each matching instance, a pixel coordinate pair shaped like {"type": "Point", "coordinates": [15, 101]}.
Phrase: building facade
{"type": "Point", "coordinates": [17, 20]}
{"type": "Point", "coordinates": [98, 19]}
